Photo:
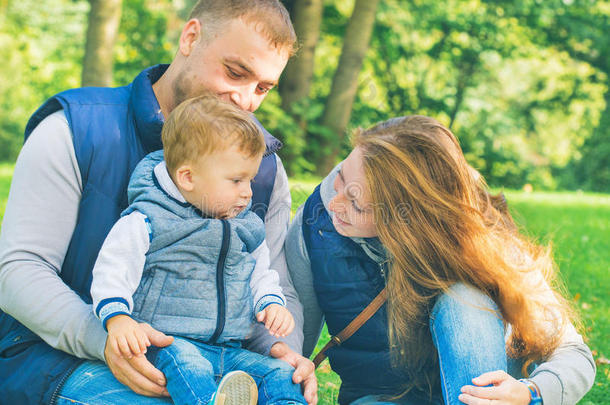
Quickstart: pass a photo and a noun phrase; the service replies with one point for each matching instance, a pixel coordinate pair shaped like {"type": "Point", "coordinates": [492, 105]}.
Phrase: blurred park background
{"type": "Point", "coordinates": [524, 84]}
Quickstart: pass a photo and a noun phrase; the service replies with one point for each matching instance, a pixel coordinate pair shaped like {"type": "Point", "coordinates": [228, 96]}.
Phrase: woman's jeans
{"type": "Point", "coordinates": [468, 333]}
{"type": "Point", "coordinates": [192, 370]}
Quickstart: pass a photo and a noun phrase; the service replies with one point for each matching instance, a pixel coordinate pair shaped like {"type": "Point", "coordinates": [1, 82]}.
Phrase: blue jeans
{"type": "Point", "coordinates": [92, 383]}
{"type": "Point", "coordinates": [468, 333]}
{"type": "Point", "coordinates": [192, 371]}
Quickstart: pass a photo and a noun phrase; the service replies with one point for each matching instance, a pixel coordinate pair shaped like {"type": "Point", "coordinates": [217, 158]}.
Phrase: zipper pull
{"type": "Point", "coordinates": [382, 269]}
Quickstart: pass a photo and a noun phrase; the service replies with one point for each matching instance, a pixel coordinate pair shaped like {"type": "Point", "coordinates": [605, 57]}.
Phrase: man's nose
{"type": "Point", "coordinates": [242, 98]}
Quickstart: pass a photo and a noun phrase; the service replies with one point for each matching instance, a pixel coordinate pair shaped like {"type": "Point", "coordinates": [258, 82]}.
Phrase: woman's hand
{"type": "Point", "coordinates": [304, 372]}
{"type": "Point", "coordinates": [137, 372]}
{"type": "Point", "coordinates": [506, 390]}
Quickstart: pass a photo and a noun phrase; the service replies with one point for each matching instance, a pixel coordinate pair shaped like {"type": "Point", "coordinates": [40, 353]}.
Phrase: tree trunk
{"type": "Point", "coordinates": [345, 81]}
{"type": "Point", "coordinates": [296, 81]}
{"type": "Point", "coordinates": [102, 30]}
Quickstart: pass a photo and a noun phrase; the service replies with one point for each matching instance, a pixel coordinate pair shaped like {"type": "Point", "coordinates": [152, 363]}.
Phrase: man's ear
{"type": "Point", "coordinates": [189, 36]}
{"type": "Point", "coordinates": [184, 178]}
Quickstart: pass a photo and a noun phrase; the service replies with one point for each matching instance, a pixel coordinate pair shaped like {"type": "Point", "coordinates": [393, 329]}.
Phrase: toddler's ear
{"type": "Point", "coordinates": [183, 177]}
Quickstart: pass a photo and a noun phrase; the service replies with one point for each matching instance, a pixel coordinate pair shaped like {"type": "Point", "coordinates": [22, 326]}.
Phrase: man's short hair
{"type": "Point", "coordinates": [206, 124]}
{"type": "Point", "coordinates": [269, 17]}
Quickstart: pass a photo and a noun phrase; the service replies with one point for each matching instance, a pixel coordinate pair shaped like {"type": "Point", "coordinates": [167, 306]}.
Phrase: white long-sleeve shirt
{"type": "Point", "coordinates": [120, 263]}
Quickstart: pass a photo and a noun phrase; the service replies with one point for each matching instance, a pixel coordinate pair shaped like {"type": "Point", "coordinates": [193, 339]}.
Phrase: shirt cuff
{"type": "Point", "coordinates": [550, 386]}
{"type": "Point", "coordinates": [267, 300]}
{"type": "Point", "coordinates": [109, 307]}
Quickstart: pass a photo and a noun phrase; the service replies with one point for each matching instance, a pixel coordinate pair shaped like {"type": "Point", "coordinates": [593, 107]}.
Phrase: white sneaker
{"type": "Point", "coordinates": [236, 388]}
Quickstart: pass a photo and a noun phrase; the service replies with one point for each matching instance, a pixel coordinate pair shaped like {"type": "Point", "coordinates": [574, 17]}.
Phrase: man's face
{"type": "Point", "coordinates": [238, 64]}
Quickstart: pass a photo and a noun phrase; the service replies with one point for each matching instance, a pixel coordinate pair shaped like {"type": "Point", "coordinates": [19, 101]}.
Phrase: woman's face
{"type": "Point", "coordinates": [352, 209]}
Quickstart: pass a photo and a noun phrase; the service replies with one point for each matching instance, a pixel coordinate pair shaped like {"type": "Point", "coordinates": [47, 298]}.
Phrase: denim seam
{"type": "Point", "coordinates": [73, 401]}
{"type": "Point", "coordinates": [199, 402]}
{"type": "Point", "coordinates": [221, 366]}
{"type": "Point", "coordinates": [440, 363]}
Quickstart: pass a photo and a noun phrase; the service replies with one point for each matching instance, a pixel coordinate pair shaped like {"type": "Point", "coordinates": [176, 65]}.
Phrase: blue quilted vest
{"type": "Point", "coordinates": [196, 279]}
{"type": "Point", "coordinates": [346, 280]}
{"type": "Point", "coordinates": [113, 129]}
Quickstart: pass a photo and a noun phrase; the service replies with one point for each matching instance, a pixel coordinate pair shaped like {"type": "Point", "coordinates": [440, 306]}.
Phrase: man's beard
{"type": "Point", "coordinates": [181, 90]}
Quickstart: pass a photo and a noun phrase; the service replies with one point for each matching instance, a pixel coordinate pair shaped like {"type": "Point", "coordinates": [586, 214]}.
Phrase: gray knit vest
{"type": "Point", "coordinates": [196, 280]}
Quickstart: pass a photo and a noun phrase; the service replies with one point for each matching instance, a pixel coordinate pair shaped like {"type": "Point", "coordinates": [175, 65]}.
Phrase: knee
{"type": "Point", "coordinates": [465, 308]}
{"type": "Point", "coordinates": [181, 352]}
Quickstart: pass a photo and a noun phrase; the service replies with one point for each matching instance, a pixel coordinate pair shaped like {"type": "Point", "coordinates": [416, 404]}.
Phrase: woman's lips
{"type": "Point", "coordinates": [340, 221]}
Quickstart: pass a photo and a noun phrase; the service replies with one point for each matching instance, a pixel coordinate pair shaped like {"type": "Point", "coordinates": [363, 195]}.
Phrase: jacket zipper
{"type": "Point", "coordinates": [382, 267]}
{"type": "Point", "coordinates": [62, 382]}
{"type": "Point", "coordinates": [220, 282]}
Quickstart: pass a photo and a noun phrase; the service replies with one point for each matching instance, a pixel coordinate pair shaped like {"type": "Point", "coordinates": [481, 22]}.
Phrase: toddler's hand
{"type": "Point", "coordinates": [277, 319]}
{"type": "Point", "coordinates": [126, 337]}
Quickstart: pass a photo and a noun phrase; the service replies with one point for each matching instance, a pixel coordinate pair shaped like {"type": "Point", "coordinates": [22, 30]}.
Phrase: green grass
{"type": "Point", "coordinates": [6, 172]}
{"type": "Point", "coordinates": [577, 224]}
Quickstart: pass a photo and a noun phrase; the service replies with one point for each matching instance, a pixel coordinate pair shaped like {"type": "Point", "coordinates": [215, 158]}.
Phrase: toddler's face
{"type": "Point", "coordinates": [221, 182]}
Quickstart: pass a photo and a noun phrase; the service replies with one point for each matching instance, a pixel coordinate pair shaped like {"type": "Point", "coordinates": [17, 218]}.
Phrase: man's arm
{"type": "Point", "coordinates": [276, 227]}
{"type": "Point", "coordinates": [38, 223]}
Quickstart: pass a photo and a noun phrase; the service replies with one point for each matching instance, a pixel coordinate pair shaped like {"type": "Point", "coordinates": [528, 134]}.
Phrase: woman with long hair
{"type": "Point", "coordinates": [472, 304]}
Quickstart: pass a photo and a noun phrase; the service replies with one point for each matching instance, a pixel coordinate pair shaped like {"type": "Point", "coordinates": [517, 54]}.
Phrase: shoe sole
{"type": "Point", "coordinates": [236, 388]}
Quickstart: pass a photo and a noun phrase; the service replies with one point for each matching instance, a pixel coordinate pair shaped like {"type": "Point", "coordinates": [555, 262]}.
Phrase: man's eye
{"type": "Point", "coordinates": [263, 89]}
{"type": "Point", "coordinates": [233, 74]}
{"type": "Point", "coordinates": [356, 207]}
{"type": "Point", "coordinates": [236, 181]}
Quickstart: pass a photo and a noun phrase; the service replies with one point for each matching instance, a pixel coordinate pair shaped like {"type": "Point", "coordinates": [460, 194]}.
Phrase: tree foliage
{"type": "Point", "coordinates": [522, 83]}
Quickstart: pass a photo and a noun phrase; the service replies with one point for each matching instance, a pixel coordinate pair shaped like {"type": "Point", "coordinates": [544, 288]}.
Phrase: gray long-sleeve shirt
{"type": "Point", "coordinates": [563, 379]}
{"type": "Point", "coordinates": [40, 216]}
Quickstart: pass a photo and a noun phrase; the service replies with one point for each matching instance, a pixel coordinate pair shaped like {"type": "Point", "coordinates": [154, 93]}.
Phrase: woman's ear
{"type": "Point", "coordinates": [184, 178]}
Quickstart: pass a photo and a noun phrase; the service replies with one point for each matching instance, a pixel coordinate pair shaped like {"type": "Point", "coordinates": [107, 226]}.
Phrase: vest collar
{"type": "Point", "coordinates": [145, 107]}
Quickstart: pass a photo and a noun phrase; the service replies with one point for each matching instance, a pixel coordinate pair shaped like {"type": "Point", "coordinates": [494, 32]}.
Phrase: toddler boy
{"type": "Point", "coordinates": [189, 257]}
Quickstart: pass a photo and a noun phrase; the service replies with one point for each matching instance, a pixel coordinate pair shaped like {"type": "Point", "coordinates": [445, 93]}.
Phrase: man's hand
{"type": "Point", "coordinates": [505, 391]}
{"type": "Point", "coordinates": [137, 372]}
{"type": "Point", "coordinates": [304, 372]}
{"type": "Point", "coordinates": [277, 319]}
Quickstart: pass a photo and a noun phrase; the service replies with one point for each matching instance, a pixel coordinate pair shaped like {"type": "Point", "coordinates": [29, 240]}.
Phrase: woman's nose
{"type": "Point", "coordinates": [337, 204]}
